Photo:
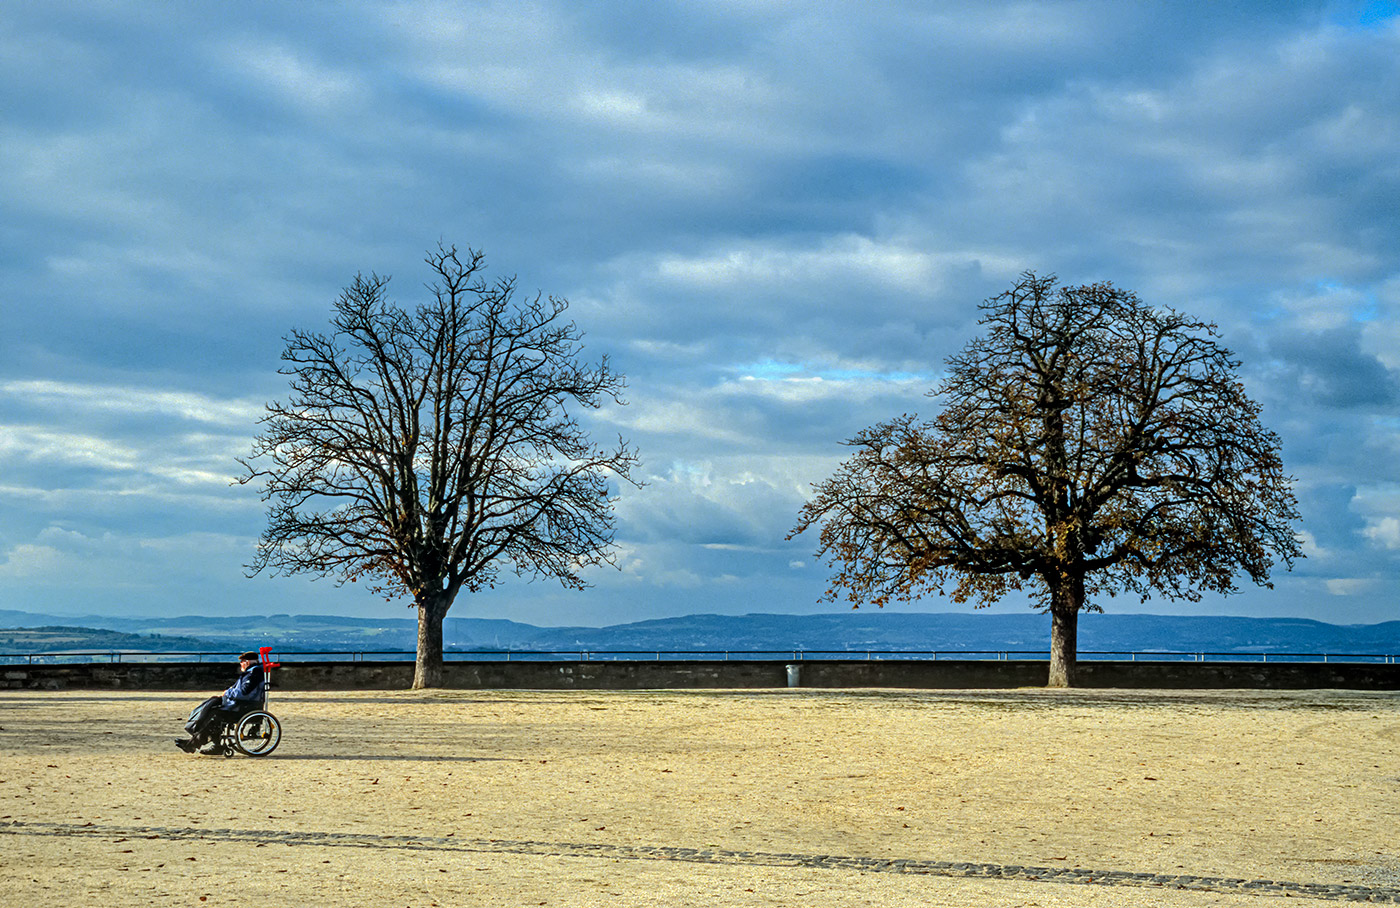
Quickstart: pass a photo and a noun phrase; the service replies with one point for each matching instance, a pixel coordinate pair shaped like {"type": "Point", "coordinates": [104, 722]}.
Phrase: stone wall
{"type": "Point", "coordinates": [577, 675]}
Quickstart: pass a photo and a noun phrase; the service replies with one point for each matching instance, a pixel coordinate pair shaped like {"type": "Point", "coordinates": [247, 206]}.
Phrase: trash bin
{"type": "Point", "coordinates": [794, 675]}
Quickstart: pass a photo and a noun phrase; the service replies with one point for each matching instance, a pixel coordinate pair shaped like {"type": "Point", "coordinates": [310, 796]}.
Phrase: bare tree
{"type": "Point", "coordinates": [424, 450]}
{"type": "Point", "coordinates": [1088, 445]}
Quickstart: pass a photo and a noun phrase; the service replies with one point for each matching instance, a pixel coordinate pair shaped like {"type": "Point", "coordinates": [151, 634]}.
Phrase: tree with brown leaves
{"type": "Point", "coordinates": [424, 450]}
{"type": "Point", "coordinates": [1088, 444]}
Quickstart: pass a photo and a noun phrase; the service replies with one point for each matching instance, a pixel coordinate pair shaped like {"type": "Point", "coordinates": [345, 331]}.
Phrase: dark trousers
{"type": "Point", "coordinates": [205, 719]}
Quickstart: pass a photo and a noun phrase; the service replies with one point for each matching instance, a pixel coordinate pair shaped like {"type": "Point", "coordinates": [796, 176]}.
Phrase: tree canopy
{"type": "Point", "coordinates": [1087, 445]}
{"type": "Point", "coordinates": [425, 450]}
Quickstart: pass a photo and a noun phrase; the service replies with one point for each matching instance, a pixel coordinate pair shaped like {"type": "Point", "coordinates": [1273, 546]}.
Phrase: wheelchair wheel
{"type": "Point", "coordinates": [257, 734]}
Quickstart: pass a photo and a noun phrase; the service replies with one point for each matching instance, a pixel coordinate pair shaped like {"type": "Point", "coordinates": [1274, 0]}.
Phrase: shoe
{"type": "Point", "coordinates": [185, 744]}
{"type": "Point", "coordinates": [212, 750]}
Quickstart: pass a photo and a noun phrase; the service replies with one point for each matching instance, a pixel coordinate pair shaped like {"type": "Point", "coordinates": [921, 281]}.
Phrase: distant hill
{"type": "Point", "coordinates": [60, 638]}
{"type": "Point", "coordinates": [840, 632]}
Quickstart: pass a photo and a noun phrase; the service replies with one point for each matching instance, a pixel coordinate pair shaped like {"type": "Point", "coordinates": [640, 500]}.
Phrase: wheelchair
{"type": "Point", "coordinates": [251, 731]}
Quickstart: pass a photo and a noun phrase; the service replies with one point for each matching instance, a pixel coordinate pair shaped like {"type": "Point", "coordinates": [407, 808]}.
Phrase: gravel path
{"type": "Point", "coordinates": [1068, 875]}
{"type": "Point", "coordinates": [1092, 799]}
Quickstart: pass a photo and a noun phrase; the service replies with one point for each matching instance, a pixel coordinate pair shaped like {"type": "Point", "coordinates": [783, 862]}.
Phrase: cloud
{"type": "Point", "coordinates": [41, 445]}
{"type": "Point", "coordinates": [855, 261]}
{"type": "Point", "coordinates": [744, 502]}
{"type": "Point", "coordinates": [1328, 369]}
{"type": "Point", "coordinates": [777, 220]}
{"type": "Point", "coordinates": [59, 558]}
{"type": "Point", "coordinates": [289, 74]}
{"type": "Point", "coordinates": [1351, 586]}
{"type": "Point", "coordinates": [674, 418]}
{"type": "Point", "coordinates": [1310, 547]}
{"type": "Point", "coordinates": [126, 400]}
{"type": "Point", "coordinates": [124, 439]}
{"type": "Point", "coordinates": [1237, 168]}
{"type": "Point", "coordinates": [35, 562]}
{"type": "Point", "coordinates": [1385, 532]}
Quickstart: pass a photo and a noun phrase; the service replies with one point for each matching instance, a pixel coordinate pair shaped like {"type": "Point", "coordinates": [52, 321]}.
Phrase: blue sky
{"type": "Point", "coordinates": [776, 218]}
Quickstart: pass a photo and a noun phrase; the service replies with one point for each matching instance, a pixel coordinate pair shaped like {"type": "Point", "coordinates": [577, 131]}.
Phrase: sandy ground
{"type": "Point", "coordinates": [583, 798]}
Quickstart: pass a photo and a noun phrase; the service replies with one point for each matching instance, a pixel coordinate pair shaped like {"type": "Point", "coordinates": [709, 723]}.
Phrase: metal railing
{"type": "Point", "coordinates": [582, 655]}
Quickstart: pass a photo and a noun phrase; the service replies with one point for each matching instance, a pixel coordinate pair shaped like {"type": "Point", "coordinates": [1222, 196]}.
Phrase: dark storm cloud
{"type": "Point", "coordinates": [1329, 369]}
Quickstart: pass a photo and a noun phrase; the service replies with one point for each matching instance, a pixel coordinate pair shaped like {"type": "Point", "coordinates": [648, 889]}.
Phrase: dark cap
{"type": "Point", "coordinates": [248, 656]}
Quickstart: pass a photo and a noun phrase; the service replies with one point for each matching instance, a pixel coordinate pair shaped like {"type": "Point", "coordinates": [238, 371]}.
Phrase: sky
{"type": "Point", "coordinates": [777, 219]}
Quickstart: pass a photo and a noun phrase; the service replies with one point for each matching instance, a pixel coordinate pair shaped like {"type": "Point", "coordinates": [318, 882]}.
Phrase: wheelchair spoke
{"type": "Point", "coordinates": [257, 734]}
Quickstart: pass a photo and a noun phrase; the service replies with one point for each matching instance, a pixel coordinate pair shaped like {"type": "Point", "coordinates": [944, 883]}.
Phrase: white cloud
{"type": "Point", "coordinates": [1311, 548]}
{"type": "Point", "coordinates": [847, 261]}
{"type": "Point", "coordinates": [214, 497]}
{"type": "Point", "coordinates": [672, 417]}
{"type": "Point", "coordinates": [1384, 531]}
{"type": "Point", "coordinates": [800, 390]}
{"type": "Point", "coordinates": [25, 562]}
{"type": "Point", "coordinates": [60, 557]}
{"type": "Point", "coordinates": [1351, 586]}
{"type": "Point", "coordinates": [36, 443]}
{"type": "Point", "coordinates": [114, 442]}
{"type": "Point", "coordinates": [181, 461]}
{"type": "Point", "coordinates": [124, 399]}
{"type": "Point", "coordinates": [292, 75]}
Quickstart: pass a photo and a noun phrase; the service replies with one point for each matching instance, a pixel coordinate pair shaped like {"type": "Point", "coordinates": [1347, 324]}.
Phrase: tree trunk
{"type": "Point", "coordinates": [427, 668]}
{"type": "Point", "coordinates": [1066, 601]}
{"type": "Point", "coordinates": [1064, 647]}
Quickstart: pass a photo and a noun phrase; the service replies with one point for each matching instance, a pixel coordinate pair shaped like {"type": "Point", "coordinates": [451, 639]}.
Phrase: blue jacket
{"type": "Point", "coordinates": [246, 691]}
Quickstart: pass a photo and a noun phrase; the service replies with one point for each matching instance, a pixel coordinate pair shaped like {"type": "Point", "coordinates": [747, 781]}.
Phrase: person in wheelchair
{"type": "Point", "coordinates": [207, 721]}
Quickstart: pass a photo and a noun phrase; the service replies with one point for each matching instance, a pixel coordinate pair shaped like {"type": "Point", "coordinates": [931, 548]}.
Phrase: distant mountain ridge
{"type": "Point", "coordinates": [839, 632]}
{"type": "Point", "coordinates": [61, 638]}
